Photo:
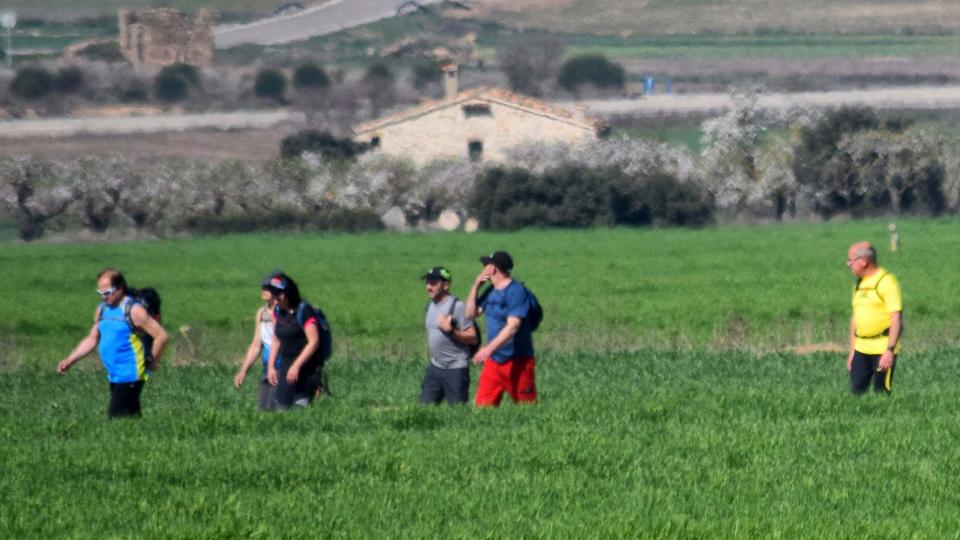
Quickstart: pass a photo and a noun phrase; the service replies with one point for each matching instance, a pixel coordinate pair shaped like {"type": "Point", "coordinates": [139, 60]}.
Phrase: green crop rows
{"type": "Point", "coordinates": [670, 405]}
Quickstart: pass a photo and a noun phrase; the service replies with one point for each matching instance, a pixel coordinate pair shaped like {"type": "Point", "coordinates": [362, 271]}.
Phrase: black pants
{"type": "Point", "coordinates": [124, 399]}
{"type": "Point", "coordinates": [864, 369]}
{"type": "Point", "coordinates": [300, 393]}
{"type": "Point", "coordinates": [439, 383]}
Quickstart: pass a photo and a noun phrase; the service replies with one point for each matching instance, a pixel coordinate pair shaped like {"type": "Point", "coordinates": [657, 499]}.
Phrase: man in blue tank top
{"type": "Point", "coordinates": [114, 334]}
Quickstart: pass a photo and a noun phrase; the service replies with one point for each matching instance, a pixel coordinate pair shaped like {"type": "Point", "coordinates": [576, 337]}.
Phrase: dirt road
{"type": "Point", "coordinates": [315, 21]}
{"type": "Point", "coordinates": [67, 127]}
{"type": "Point", "coordinates": [909, 97]}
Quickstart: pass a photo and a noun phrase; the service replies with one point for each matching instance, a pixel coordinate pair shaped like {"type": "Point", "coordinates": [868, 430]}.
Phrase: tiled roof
{"type": "Point", "coordinates": [493, 95]}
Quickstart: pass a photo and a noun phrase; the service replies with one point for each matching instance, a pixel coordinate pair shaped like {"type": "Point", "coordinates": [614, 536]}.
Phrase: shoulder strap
{"type": "Point", "coordinates": [300, 313]}
{"type": "Point", "coordinates": [876, 286]}
{"type": "Point", "coordinates": [453, 305]}
{"type": "Point", "coordinates": [128, 304]}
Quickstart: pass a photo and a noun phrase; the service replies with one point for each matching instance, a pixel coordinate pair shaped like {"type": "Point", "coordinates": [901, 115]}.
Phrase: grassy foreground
{"type": "Point", "coordinates": [687, 445]}
{"type": "Point", "coordinates": [668, 408]}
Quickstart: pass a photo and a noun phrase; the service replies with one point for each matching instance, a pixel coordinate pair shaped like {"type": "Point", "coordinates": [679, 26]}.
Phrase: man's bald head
{"type": "Point", "coordinates": [862, 259]}
{"type": "Point", "coordinates": [863, 249]}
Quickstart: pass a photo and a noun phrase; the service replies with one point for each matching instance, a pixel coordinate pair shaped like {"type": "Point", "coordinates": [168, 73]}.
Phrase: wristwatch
{"type": "Point", "coordinates": [891, 348]}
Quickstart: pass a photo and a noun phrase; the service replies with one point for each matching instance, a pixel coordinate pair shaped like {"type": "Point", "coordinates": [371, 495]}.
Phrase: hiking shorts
{"type": "Point", "coordinates": [452, 385]}
{"type": "Point", "coordinates": [300, 393]}
{"type": "Point", "coordinates": [267, 396]}
{"type": "Point", "coordinates": [515, 377]}
{"type": "Point", "coordinates": [124, 399]}
{"type": "Point", "coordinates": [865, 369]}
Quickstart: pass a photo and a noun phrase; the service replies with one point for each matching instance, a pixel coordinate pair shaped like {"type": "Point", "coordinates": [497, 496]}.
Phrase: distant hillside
{"type": "Point", "coordinates": [726, 16]}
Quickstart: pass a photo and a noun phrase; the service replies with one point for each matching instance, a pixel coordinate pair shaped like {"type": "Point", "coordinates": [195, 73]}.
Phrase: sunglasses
{"type": "Point", "coordinates": [106, 292]}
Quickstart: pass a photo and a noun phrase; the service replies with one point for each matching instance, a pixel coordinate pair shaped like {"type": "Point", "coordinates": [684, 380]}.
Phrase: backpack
{"type": "Point", "coordinates": [325, 349]}
{"type": "Point", "coordinates": [453, 322]}
{"type": "Point", "coordinates": [147, 297]}
{"type": "Point", "coordinates": [535, 313]}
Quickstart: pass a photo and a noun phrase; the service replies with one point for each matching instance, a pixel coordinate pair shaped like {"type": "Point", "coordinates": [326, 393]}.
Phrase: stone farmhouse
{"type": "Point", "coordinates": [160, 37]}
{"type": "Point", "coordinates": [480, 124]}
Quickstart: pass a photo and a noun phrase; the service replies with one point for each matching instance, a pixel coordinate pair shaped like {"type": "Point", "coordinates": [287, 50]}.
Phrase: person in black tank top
{"type": "Point", "coordinates": [295, 342]}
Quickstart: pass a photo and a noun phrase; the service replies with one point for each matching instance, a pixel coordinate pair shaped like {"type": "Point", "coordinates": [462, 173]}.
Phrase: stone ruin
{"type": "Point", "coordinates": [160, 37]}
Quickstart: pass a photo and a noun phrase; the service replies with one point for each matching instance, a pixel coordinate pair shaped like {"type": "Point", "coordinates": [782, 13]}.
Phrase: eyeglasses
{"type": "Point", "coordinates": [106, 292]}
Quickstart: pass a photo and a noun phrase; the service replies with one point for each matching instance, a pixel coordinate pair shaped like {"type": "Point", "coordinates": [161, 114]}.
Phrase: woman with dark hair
{"type": "Point", "coordinates": [296, 339]}
{"type": "Point", "coordinates": [260, 346]}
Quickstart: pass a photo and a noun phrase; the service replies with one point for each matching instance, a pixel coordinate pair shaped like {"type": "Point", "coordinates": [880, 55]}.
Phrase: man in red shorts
{"type": "Point", "coordinates": [507, 356]}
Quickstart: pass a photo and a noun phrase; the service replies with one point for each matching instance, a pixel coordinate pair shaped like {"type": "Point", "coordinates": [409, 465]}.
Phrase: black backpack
{"type": "Point", "coordinates": [535, 314]}
{"type": "Point", "coordinates": [453, 322]}
{"type": "Point", "coordinates": [325, 349]}
{"type": "Point", "coordinates": [149, 298]}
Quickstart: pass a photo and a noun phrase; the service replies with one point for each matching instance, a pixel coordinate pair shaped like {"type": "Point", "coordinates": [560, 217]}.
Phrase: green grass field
{"type": "Point", "coordinates": [669, 405]}
{"type": "Point", "coordinates": [761, 289]}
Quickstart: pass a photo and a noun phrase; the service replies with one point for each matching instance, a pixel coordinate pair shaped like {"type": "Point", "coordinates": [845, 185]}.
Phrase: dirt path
{"type": "Point", "coordinates": [315, 21]}
{"type": "Point", "coordinates": [252, 146]}
{"type": "Point", "coordinates": [68, 127]}
{"type": "Point", "coordinates": [911, 97]}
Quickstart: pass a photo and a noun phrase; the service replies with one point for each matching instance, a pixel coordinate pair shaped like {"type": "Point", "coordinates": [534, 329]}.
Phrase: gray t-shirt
{"type": "Point", "coordinates": [445, 351]}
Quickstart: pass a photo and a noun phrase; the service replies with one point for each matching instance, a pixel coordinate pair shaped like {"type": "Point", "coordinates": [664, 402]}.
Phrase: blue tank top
{"type": "Point", "coordinates": [121, 350]}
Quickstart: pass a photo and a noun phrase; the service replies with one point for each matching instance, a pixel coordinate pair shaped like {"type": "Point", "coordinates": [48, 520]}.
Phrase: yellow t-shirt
{"type": "Point", "coordinates": [874, 298]}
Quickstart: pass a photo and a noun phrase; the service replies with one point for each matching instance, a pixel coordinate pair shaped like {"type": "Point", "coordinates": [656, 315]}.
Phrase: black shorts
{"type": "Point", "coordinates": [300, 393]}
{"type": "Point", "coordinates": [450, 384]}
{"type": "Point", "coordinates": [124, 399]}
{"type": "Point", "coordinates": [865, 369]}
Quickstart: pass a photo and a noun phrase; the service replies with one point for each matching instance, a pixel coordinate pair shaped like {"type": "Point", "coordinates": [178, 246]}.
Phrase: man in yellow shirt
{"type": "Point", "coordinates": [877, 322]}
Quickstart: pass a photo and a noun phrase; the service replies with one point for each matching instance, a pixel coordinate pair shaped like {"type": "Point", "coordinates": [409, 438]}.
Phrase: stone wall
{"type": "Point", "coordinates": [447, 132]}
{"type": "Point", "coordinates": [161, 37]}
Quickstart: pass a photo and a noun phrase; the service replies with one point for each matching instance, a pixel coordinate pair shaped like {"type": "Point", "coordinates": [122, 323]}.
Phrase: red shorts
{"type": "Point", "coordinates": [515, 377]}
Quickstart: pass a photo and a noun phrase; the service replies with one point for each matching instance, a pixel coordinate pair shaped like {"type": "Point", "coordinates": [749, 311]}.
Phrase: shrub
{"type": "Point", "coordinates": [32, 83]}
{"type": "Point", "coordinates": [592, 69]}
{"type": "Point", "coordinates": [378, 85]}
{"type": "Point", "coordinates": [322, 143]}
{"type": "Point", "coordinates": [426, 73]}
{"type": "Point", "coordinates": [170, 88]}
{"type": "Point", "coordinates": [135, 91]}
{"type": "Point", "coordinates": [188, 73]}
{"type": "Point", "coordinates": [68, 80]}
{"type": "Point", "coordinates": [102, 52]}
{"type": "Point", "coordinates": [310, 76]}
{"type": "Point", "coordinates": [575, 196]}
{"type": "Point", "coordinates": [270, 84]}
{"type": "Point", "coordinates": [530, 60]}
{"type": "Point", "coordinates": [823, 170]}
{"type": "Point", "coordinates": [659, 199]}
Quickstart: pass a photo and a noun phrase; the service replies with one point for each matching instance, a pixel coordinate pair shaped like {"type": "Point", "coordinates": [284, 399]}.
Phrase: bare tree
{"type": "Point", "coordinates": [530, 60]}
{"type": "Point", "coordinates": [32, 191]}
{"type": "Point", "coordinates": [97, 186]}
{"type": "Point", "coordinates": [897, 163]}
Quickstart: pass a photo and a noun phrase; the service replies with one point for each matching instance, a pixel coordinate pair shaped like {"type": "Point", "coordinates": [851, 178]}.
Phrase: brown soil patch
{"type": "Point", "coordinates": [901, 10]}
{"type": "Point", "coordinates": [253, 146]}
{"type": "Point", "coordinates": [812, 348]}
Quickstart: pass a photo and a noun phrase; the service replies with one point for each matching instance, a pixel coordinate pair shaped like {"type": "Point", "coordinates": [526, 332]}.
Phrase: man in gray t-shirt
{"type": "Point", "coordinates": [450, 336]}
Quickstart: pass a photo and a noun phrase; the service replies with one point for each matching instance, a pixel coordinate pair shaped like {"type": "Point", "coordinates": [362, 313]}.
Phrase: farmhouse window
{"type": "Point", "coordinates": [476, 109]}
{"type": "Point", "coordinates": [475, 150]}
